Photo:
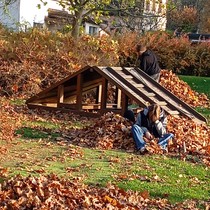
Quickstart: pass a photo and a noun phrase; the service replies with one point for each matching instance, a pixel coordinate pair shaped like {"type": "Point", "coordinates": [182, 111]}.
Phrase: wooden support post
{"type": "Point", "coordinates": [98, 94]}
{"type": "Point", "coordinates": [79, 92]}
{"type": "Point", "coordinates": [124, 103]}
{"type": "Point", "coordinates": [119, 96]}
{"type": "Point", "coordinates": [116, 95]}
{"type": "Point", "coordinates": [60, 98]}
{"type": "Point", "coordinates": [104, 93]}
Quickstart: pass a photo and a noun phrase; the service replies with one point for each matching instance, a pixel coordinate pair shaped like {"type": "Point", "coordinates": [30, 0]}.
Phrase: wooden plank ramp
{"type": "Point", "coordinates": [146, 91]}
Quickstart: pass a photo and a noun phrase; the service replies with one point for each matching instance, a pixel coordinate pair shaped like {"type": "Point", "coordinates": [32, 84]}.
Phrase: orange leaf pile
{"type": "Point", "coordinates": [182, 90]}
{"type": "Point", "coordinates": [113, 131]}
{"type": "Point", "coordinates": [51, 192]}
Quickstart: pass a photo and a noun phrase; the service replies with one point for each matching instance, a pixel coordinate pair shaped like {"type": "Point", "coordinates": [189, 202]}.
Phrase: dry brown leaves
{"type": "Point", "coordinates": [10, 120]}
{"type": "Point", "coordinates": [112, 131]}
{"type": "Point", "coordinates": [51, 192]}
{"type": "Point", "coordinates": [182, 90]}
{"type": "Point", "coordinates": [108, 132]}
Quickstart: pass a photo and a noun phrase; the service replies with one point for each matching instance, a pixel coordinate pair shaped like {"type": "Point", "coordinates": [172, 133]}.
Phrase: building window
{"type": "Point", "coordinates": [93, 30]}
{"type": "Point", "coordinates": [38, 25]}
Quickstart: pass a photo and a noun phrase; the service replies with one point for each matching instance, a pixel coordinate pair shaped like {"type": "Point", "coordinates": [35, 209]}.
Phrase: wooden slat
{"type": "Point", "coordinates": [31, 105]}
{"type": "Point", "coordinates": [150, 94]}
{"type": "Point", "coordinates": [127, 76]}
{"type": "Point", "coordinates": [99, 94]}
{"type": "Point", "coordinates": [124, 103]}
{"type": "Point", "coordinates": [137, 85]}
{"type": "Point", "coordinates": [118, 68]}
{"type": "Point", "coordinates": [46, 100]}
{"type": "Point", "coordinates": [170, 111]}
{"type": "Point", "coordinates": [173, 112]}
{"type": "Point", "coordinates": [161, 103]}
{"type": "Point", "coordinates": [81, 112]}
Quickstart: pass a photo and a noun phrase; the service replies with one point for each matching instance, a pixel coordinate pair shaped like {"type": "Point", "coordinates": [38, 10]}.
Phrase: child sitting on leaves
{"type": "Point", "coordinates": [150, 123]}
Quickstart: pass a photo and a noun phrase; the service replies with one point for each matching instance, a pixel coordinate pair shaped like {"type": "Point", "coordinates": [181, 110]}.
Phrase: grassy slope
{"type": "Point", "coordinates": [161, 176]}
{"type": "Point", "coordinates": [199, 84]}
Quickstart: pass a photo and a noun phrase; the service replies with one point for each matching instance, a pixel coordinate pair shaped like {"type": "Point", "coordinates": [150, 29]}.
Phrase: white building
{"type": "Point", "coordinates": [24, 14]}
{"type": "Point", "coordinates": [154, 15]}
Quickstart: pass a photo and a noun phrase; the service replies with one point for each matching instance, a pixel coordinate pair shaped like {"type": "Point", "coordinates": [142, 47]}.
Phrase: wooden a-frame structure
{"type": "Point", "coordinates": [87, 92]}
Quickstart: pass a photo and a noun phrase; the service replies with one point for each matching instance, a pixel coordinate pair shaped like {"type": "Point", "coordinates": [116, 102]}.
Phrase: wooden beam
{"type": "Point", "coordinates": [68, 106]}
{"type": "Point", "coordinates": [79, 92]}
{"type": "Point", "coordinates": [60, 95]}
{"type": "Point", "coordinates": [46, 100]}
{"type": "Point", "coordinates": [86, 85]}
{"type": "Point", "coordinates": [99, 94]}
{"type": "Point", "coordinates": [83, 113]}
{"type": "Point", "coordinates": [124, 103]}
{"type": "Point", "coordinates": [119, 97]}
{"type": "Point", "coordinates": [104, 93]}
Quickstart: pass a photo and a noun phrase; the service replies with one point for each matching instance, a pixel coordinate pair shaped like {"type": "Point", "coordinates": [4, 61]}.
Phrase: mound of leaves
{"type": "Point", "coordinates": [182, 90]}
{"type": "Point", "coordinates": [113, 131]}
{"type": "Point", "coordinates": [51, 192]}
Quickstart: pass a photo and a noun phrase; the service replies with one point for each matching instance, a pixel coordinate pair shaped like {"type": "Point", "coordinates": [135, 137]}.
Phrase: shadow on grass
{"type": "Point", "coordinates": [35, 133]}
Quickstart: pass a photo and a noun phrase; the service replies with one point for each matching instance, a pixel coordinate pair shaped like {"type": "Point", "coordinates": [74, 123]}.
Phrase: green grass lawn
{"type": "Point", "coordinates": [161, 176]}
{"type": "Point", "coordinates": [199, 84]}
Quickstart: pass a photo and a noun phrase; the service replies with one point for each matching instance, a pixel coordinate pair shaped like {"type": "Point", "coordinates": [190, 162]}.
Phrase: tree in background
{"type": "Point", "coordinates": [124, 13]}
{"type": "Point", "coordinates": [94, 9]}
{"type": "Point", "coordinates": [204, 25]}
{"type": "Point", "coordinates": [184, 15]}
{"type": "Point", "coordinates": [186, 18]}
{"type": "Point", "coordinates": [190, 15]}
{"type": "Point", "coordinates": [6, 3]}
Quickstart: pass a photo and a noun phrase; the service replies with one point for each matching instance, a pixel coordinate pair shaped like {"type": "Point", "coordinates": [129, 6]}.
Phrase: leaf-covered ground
{"type": "Point", "coordinates": [51, 192]}
{"type": "Point", "coordinates": [110, 131]}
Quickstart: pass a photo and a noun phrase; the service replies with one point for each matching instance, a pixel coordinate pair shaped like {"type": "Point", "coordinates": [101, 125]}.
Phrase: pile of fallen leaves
{"type": "Point", "coordinates": [182, 90]}
{"type": "Point", "coordinates": [10, 119]}
{"type": "Point", "coordinates": [51, 192]}
{"type": "Point", "coordinates": [113, 131]}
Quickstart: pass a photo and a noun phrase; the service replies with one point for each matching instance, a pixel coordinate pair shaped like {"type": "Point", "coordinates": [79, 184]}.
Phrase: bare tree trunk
{"type": "Point", "coordinates": [76, 24]}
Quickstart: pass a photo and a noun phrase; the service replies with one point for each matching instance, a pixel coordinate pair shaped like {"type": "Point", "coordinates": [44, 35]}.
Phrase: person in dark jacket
{"type": "Point", "coordinates": [148, 62]}
{"type": "Point", "coordinates": [150, 123]}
